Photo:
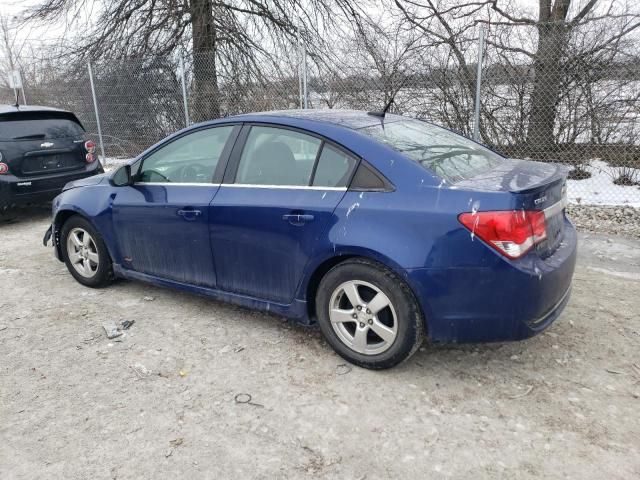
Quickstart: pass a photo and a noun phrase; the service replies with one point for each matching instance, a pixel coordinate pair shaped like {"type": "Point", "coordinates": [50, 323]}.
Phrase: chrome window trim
{"type": "Point", "coordinates": [244, 185]}
{"type": "Point", "coordinates": [287, 187]}
{"type": "Point", "coordinates": [179, 184]}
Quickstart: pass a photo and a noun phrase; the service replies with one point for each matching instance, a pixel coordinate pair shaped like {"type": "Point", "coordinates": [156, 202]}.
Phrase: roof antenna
{"type": "Point", "coordinates": [391, 100]}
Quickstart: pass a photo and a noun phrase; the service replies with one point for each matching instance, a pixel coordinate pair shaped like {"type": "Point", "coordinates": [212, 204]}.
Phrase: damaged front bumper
{"type": "Point", "coordinates": [50, 234]}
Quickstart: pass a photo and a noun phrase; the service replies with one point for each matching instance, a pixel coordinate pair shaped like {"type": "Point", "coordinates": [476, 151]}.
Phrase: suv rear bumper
{"type": "Point", "coordinates": [21, 190]}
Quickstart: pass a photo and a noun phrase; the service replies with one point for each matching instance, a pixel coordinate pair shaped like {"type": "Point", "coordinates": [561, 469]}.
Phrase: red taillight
{"type": "Point", "coordinates": [90, 158]}
{"type": "Point", "coordinates": [4, 168]}
{"type": "Point", "coordinates": [511, 233]}
{"type": "Point", "coordinates": [90, 146]}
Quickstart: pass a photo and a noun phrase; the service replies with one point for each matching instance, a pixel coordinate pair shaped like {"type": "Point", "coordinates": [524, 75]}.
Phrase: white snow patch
{"type": "Point", "coordinates": [599, 189]}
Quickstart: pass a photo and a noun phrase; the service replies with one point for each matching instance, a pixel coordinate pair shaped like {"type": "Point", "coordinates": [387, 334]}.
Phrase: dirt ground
{"type": "Point", "coordinates": [166, 400]}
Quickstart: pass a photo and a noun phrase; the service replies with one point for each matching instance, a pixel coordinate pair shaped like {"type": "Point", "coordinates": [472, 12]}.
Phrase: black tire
{"type": "Point", "coordinates": [104, 273]}
{"type": "Point", "coordinates": [7, 215]}
{"type": "Point", "coordinates": [409, 319]}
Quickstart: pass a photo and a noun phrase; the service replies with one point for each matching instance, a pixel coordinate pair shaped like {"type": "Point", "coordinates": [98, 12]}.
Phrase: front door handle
{"type": "Point", "coordinates": [297, 218]}
{"type": "Point", "coordinates": [189, 214]}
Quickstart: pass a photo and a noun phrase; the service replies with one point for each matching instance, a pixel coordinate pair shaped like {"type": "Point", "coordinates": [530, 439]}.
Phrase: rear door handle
{"type": "Point", "coordinates": [189, 214]}
{"type": "Point", "coordinates": [297, 218]}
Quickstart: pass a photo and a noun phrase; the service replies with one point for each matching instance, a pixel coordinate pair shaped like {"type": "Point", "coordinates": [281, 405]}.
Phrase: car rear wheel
{"type": "Point", "coordinates": [368, 314]}
{"type": "Point", "coordinates": [84, 253]}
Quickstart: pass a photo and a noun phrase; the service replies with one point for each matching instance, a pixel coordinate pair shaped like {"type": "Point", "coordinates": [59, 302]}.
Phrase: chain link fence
{"type": "Point", "coordinates": [523, 96]}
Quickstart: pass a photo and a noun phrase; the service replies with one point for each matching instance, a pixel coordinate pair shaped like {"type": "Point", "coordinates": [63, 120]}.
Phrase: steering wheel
{"type": "Point", "coordinates": [147, 176]}
{"type": "Point", "coordinates": [194, 172]}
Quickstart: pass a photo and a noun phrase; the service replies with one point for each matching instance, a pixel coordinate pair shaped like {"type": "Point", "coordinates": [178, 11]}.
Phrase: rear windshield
{"type": "Point", "coordinates": [36, 129]}
{"type": "Point", "coordinates": [447, 154]}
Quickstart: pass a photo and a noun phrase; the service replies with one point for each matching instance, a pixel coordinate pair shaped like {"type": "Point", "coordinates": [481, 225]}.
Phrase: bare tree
{"type": "Point", "coordinates": [545, 61]}
{"type": "Point", "coordinates": [213, 30]}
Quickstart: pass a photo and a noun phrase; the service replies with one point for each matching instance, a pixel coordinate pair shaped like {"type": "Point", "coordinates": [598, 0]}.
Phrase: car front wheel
{"type": "Point", "coordinates": [368, 314]}
{"type": "Point", "coordinates": [84, 253]}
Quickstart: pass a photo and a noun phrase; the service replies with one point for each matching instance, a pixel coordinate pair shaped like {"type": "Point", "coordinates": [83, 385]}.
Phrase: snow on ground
{"type": "Point", "coordinates": [599, 189]}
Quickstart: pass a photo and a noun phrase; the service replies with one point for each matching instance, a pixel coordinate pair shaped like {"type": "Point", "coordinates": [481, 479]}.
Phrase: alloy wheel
{"type": "Point", "coordinates": [363, 317]}
{"type": "Point", "coordinates": [82, 252]}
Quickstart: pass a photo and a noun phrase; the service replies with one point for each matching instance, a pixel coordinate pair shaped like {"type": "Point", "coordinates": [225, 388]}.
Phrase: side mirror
{"type": "Point", "coordinates": [122, 177]}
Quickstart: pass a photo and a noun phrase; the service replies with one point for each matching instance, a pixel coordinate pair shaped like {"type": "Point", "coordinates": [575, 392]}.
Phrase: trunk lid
{"type": "Point", "coordinates": [532, 186]}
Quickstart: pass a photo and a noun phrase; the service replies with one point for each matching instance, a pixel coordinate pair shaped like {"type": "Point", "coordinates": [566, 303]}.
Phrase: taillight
{"type": "Point", "coordinates": [90, 146]}
{"type": "Point", "coordinates": [511, 233]}
{"type": "Point", "coordinates": [90, 157]}
{"type": "Point", "coordinates": [4, 168]}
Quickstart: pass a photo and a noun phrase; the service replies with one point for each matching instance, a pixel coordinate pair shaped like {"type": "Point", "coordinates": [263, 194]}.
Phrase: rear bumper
{"type": "Point", "coordinates": [512, 301]}
{"type": "Point", "coordinates": [21, 190]}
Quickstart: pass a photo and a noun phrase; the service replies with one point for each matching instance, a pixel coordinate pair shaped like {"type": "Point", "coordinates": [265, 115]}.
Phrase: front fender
{"type": "Point", "coordinates": [93, 203]}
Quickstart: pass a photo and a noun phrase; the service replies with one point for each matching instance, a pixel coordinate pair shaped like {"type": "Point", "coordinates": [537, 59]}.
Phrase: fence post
{"type": "Point", "coordinates": [95, 107]}
{"type": "Point", "coordinates": [24, 96]}
{"type": "Point", "coordinates": [184, 91]}
{"type": "Point", "coordinates": [304, 76]}
{"type": "Point", "coordinates": [299, 63]}
{"type": "Point", "coordinates": [476, 115]}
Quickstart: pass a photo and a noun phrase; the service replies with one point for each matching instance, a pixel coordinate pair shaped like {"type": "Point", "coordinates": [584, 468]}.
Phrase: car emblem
{"type": "Point", "coordinates": [538, 201]}
{"type": "Point", "coordinates": [46, 144]}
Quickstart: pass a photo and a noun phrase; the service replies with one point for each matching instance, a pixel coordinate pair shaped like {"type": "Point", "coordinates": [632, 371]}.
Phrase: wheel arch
{"type": "Point", "coordinates": [324, 266]}
{"type": "Point", "coordinates": [61, 217]}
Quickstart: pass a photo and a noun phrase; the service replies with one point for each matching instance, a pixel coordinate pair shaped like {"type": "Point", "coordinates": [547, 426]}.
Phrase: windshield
{"type": "Point", "coordinates": [37, 129]}
{"type": "Point", "coordinates": [447, 154]}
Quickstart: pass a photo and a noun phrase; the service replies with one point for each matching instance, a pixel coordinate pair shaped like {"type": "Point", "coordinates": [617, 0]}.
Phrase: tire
{"type": "Point", "coordinates": [7, 215]}
{"type": "Point", "coordinates": [366, 335]}
{"type": "Point", "coordinates": [91, 264]}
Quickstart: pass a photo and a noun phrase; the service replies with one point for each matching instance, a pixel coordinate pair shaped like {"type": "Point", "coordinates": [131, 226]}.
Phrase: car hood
{"type": "Point", "coordinates": [85, 182]}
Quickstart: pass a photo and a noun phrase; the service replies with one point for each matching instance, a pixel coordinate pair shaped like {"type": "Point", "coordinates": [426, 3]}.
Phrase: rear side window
{"type": "Point", "coordinates": [277, 156]}
{"type": "Point", "coordinates": [37, 129]}
{"type": "Point", "coordinates": [447, 154]}
{"type": "Point", "coordinates": [334, 168]}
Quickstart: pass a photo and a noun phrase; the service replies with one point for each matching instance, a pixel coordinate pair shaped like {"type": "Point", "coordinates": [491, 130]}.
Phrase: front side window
{"type": "Point", "coordinates": [277, 156]}
{"type": "Point", "coordinates": [192, 158]}
{"type": "Point", "coordinates": [447, 154]}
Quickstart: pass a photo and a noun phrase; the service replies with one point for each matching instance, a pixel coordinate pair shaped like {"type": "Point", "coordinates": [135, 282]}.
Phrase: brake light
{"type": "Point", "coordinates": [4, 168]}
{"type": "Point", "coordinates": [90, 157]}
{"type": "Point", "coordinates": [511, 233]}
{"type": "Point", "coordinates": [90, 146]}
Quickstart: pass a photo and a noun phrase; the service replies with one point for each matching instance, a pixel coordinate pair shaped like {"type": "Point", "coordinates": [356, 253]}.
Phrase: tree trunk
{"type": "Point", "coordinates": [546, 88]}
{"type": "Point", "coordinates": [206, 96]}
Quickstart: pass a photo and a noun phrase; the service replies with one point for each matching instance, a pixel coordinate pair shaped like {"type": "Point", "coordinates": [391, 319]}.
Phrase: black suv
{"type": "Point", "coordinates": [41, 149]}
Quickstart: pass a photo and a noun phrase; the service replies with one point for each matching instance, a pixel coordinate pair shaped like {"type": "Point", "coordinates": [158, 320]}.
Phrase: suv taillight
{"type": "Point", "coordinates": [512, 233]}
{"type": "Point", "coordinates": [4, 168]}
{"type": "Point", "coordinates": [90, 146]}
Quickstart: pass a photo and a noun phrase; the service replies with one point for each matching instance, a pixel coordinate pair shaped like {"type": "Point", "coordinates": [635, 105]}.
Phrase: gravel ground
{"type": "Point", "coordinates": [621, 220]}
{"type": "Point", "coordinates": [165, 400]}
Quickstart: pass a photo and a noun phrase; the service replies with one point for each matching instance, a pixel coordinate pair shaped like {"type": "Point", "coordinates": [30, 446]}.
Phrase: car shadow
{"type": "Point", "coordinates": [27, 213]}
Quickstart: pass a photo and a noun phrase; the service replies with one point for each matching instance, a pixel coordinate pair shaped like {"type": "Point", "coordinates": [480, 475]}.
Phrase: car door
{"type": "Point", "coordinates": [279, 194]}
{"type": "Point", "coordinates": [162, 220]}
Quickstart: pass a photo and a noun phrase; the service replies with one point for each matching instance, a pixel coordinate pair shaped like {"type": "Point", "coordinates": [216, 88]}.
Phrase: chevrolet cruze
{"type": "Point", "coordinates": [381, 228]}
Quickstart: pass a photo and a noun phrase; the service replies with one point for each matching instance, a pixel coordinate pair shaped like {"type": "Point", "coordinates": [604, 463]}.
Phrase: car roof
{"type": "Point", "coordinates": [14, 112]}
{"type": "Point", "coordinates": [28, 108]}
{"type": "Point", "coordinates": [353, 119]}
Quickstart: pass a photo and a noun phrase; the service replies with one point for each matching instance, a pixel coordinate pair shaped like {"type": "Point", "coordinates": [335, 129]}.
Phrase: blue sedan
{"type": "Point", "coordinates": [380, 228]}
